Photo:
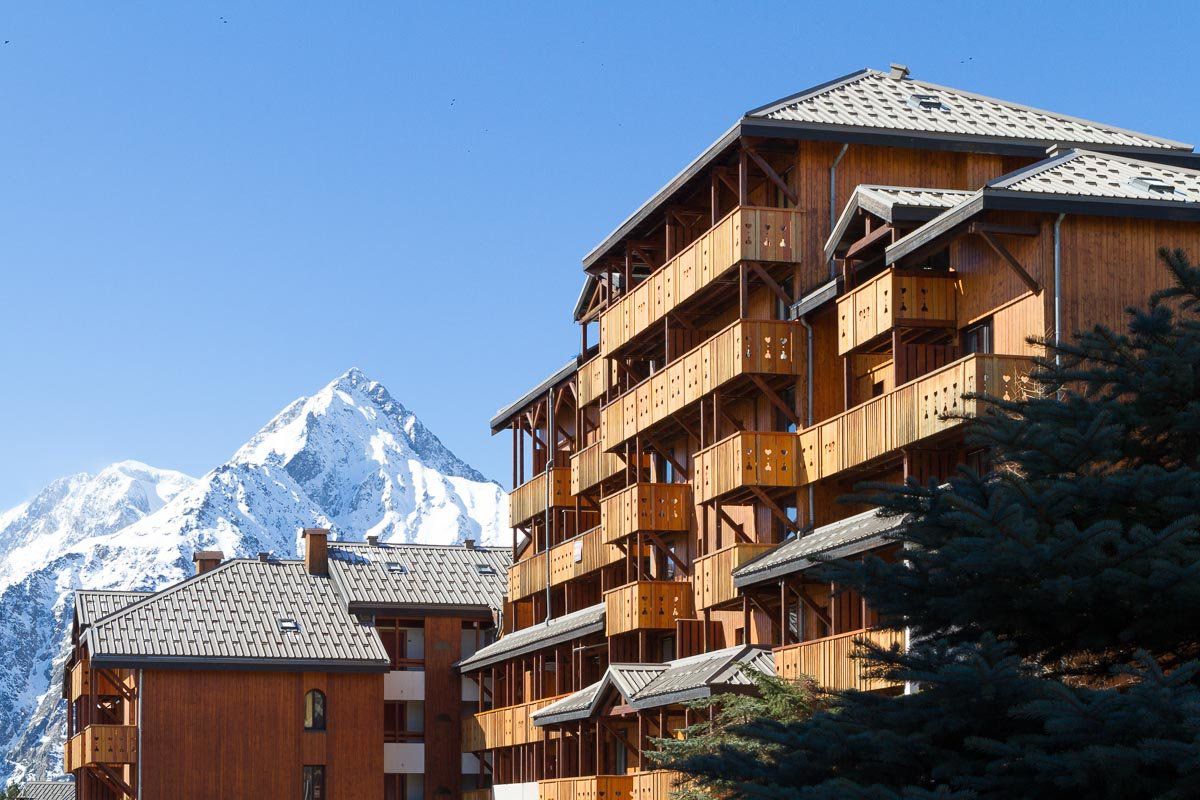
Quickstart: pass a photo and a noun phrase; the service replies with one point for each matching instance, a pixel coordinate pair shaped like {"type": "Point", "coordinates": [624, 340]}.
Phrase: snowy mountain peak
{"type": "Point", "coordinates": [349, 457]}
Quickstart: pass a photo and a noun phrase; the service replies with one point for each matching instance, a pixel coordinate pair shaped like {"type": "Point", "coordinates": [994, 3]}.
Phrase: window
{"type": "Point", "coordinates": [978, 338]}
{"type": "Point", "coordinates": [403, 721]}
{"type": "Point", "coordinates": [288, 625]}
{"type": "Point", "coordinates": [314, 710]}
{"type": "Point", "coordinates": [404, 641]}
{"type": "Point", "coordinates": [1153, 185]}
{"type": "Point", "coordinates": [396, 569]}
{"type": "Point", "coordinates": [485, 569]}
{"type": "Point", "coordinates": [314, 782]}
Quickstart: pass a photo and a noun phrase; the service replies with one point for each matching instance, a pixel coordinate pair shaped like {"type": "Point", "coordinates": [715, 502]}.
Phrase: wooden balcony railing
{"type": "Point", "coordinates": [744, 460]}
{"type": "Point", "coordinates": [646, 605]}
{"type": "Point", "coordinates": [747, 347]}
{"type": "Point", "coordinates": [591, 466]}
{"type": "Point", "coordinates": [828, 660]}
{"type": "Point", "coordinates": [642, 507]}
{"type": "Point", "coordinates": [82, 676]}
{"type": "Point", "coordinates": [101, 744]}
{"type": "Point", "coordinates": [656, 785]}
{"type": "Point", "coordinates": [769, 235]}
{"type": "Point", "coordinates": [581, 555]}
{"type": "Point", "coordinates": [504, 727]}
{"type": "Point", "coordinates": [908, 414]}
{"type": "Point", "coordinates": [595, 787]}
{"type": "Point", "coordinates": [594, 379]}
{"type": "Point", "coordinates": [712, 583]}
{"type": "Point", "coordinates": [545, 490]}
{"type": "Point", "coordinates": [477, 794]}
{"type": "Point", "coordinates": [896, 298]}
{"type": "Point", "coordinates": [527, 577]}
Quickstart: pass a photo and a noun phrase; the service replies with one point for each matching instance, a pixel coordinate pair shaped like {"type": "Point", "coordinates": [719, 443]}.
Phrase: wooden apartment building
{"type": "Point", "coordinates": [326, 678]}
{"type": "Point", "coordinates": [797, 311]}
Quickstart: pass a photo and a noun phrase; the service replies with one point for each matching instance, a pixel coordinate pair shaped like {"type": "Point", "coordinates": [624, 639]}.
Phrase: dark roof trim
{"type": "Point", "coordinates": [506, 414]}
{"type": "Point", "coordinates": [498, 653]}
{"type": "Point", "coordinates": [814, 299]}
{"type": "Point", "coordinates": [787, 568]}
{"type": "Point", "coordinates": [255, 664]}
{"type": "Point", "coordinates": [481, 611]}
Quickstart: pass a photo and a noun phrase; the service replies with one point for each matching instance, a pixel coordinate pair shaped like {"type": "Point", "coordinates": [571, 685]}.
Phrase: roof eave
{"type": "Point", "coordinates": [506, 414]}
{"type": "Point", "coordinates": [251, 664]}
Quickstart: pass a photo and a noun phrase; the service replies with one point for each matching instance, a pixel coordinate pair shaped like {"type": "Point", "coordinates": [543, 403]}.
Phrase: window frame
{"type": "Point", "coordinates": [311, 718]}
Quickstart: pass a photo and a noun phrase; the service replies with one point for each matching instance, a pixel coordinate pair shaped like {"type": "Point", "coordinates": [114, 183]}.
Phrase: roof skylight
{"type": "Point", "coordinates": [927, 102]}
{"type": "Point", "coordinates": [1153, 185]}
{"type": "Point", "coordinates": [485, 569]}
{"type": "Point", "coordinates": [288, 625]}
{"type": "Point", "coordinates": [396, 568]}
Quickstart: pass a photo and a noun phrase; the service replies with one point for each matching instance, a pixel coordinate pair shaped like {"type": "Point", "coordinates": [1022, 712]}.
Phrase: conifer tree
{"type": "Point", "coordinates": [1052, 603]}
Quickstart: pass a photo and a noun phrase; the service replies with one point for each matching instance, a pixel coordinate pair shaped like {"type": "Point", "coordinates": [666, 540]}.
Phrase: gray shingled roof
{"type": "Point", "coordinates": [1075, 181]}
{"type": "Point", "coordinates": [230, 616]}
{"type": "Point", "coordinates": [92, 604]}
{"type": "Point", "coordinates": [47, 790]}
{"type": "Point", "coordinates": [642, 686]}
{"type": "Point", "coordinates": [1085, 173]}
{"type": "Point", "coordinates": [873, 99]}
{"type": "Point", "coordinates": [852, 535]}
{"type": "Point", "coordinates": [441, 575]}
{"type": "Point", "coordinates": [537, 637]}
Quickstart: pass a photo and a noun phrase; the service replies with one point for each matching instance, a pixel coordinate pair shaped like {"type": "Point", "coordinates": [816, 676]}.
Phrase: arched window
{"type": "Point", "coordinates": [314, 710]}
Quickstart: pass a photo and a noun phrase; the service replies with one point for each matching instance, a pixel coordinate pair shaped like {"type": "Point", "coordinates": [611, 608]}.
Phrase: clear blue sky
{"type": "Point", "coordinates": [204, 219]}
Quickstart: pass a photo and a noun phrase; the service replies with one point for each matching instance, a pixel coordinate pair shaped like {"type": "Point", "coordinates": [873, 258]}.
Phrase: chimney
{"type": "Point", "coordinates": [206, 560]}
{"type": "Point", "coordinates": [373, 540]}
{"type": "Point", "coordinates": [316, 552]}
{"type": "Point", "coordinates": [469, 544]}
{"type": "Point", "coordinates": [264, 557]}
{"type": "Point", "coordinates": [899, 71]}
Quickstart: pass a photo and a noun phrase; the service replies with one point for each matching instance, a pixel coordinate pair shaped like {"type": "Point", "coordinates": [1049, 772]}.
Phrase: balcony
{"type": "Point", "coordinates": [734, 466]}
{"type": "Point", "coordinates": [646, 605]}
{"type": "Point", "coordinates": [594, 379]}
{"type": "Point", "coordinates": [592, 466]}
{"type": "Point", "coordinates": [581, 555]}
{"type": "Point", "coordinates": [828, 660]}
{"type": "Point", "coordinates": [892, 299]}
{"type": "Point", "coordinates": [548, 489]}
{"type": "Point", "coordinates": [504, 727]}
{"type": "Point", "coordinates": [101, 744]}
{"type": "Point", "coordinates": [82, 676]}
{"type": "Point", "coordinates": [647, 507]}
{"type": "Point", "coordinates": [766, 235]}
{"type": "Point", "coordinates": [713, 583]}
{"type": "Point", "coordinates": [478, 794]}
{"type": "Point", "coordinates": [747, 347]}
{"type": "Point", "coordinates": [908, 414]}
{"type": "Point", "coordinates": [656, 785]}
{"type": "Point", "coordinates": [595, 787]}
{"type": "Point", "coordinates": [574, 558]}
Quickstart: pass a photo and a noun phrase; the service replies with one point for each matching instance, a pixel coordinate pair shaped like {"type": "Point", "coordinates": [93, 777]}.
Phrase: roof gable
{"type": "Point", "coordinates": [870, 99]}
{"type": "Point", "coordinates": [93, 604]}
{"type": "Point", "coordinates": [1086, 173]}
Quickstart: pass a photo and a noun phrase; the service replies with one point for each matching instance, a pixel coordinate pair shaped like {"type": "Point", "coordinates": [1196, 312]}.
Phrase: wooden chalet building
{"type": "Point", "coordinates": [792, 314]}
{"type": "Point", "coordinates": [316, 679]}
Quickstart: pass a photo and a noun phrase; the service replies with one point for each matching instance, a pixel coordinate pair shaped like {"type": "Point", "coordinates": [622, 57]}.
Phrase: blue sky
{"type": "Point", "coordinates": [211, 209]}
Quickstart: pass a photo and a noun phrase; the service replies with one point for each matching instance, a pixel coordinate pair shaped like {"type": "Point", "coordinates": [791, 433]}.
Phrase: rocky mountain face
{"type": "Point", "coordinates": [350, 458]}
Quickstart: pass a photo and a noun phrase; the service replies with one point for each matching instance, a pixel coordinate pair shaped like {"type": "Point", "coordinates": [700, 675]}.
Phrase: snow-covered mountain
{"type": "Point", "coordinates": [350, 458]}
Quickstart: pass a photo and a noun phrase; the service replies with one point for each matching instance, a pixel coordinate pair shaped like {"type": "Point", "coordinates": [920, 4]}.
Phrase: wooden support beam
{"type": "Point", "coordinates": [1005, 230]}
{"type": "Point", "coordinates": [732, 420]}
{"type": "Point", "coordinates": [776, 400]}
{"type": "Point", "coordinates": [872, 238]}
{"type": "Point", "coordinates": [1008, 257]}
{"type": "Point", "coordinates": [657, 541]}
{"type": "Point", "coordinates": [816, 609]}
{"type": "Point", "coordinates": [774, 508]}
{"type": "Point", "coordinates": [771, 617]}
{"type": "Point", "coordinates": [723, 515]}
{"type": "Point", "coordinates": [770, 283]}
{"type": "Point", "coordinates": [665, 453]}
{"type": "Point", "coordinates": [115, 780]}
{"type": "Point", "coordinates": [773, 176]}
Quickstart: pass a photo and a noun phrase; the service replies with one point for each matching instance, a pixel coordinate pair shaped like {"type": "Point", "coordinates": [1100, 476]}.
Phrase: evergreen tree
{"type": "Point", "coordinates": [719, 719]}
{"type": "Point", "coordinates": [1051, 603]}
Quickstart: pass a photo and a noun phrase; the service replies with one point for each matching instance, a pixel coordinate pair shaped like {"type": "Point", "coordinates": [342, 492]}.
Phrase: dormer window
{"type": "Point", "coordinates": [1153, 186]}
{"type": "Point", "coordinates": [288, 625]}
{"type": "Point", "coordinates": [927, 102]}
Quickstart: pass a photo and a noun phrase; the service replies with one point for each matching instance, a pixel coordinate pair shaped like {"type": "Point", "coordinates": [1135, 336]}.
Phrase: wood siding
{"type": "Point", "coordinates": [763, 460]}
{"type": "Point", "coordinates": [647, 605]}
{"type": "Point", "coordinates": [712, 578]}
{"type": "Point", "coordinates": [647, 507]}
{"type": "Point", "coordinates": [895, 298]}
{"type": "Point", "coordinates": [195, 725]}
{"type": "Point", "coordinates": [596, 787]}
{"type": "Point", "coordinates": [828, 661]}
{"type": "Point", "coordinates": [504, 727]}
{"type": "Point", "coordinates": [548, 489]}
